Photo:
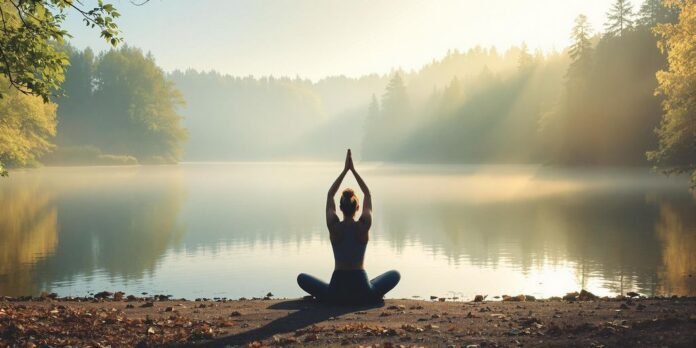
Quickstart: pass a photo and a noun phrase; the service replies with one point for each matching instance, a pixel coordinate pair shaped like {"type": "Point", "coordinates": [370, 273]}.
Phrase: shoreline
{"type": "Point", "coordinates": [577, 319]}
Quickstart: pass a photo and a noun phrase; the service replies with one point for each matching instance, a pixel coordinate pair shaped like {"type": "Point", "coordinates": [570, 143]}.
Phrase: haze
{"type": "Point", "coordinates": [318, 38]}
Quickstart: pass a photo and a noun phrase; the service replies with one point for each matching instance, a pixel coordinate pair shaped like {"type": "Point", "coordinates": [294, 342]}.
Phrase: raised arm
{"type": "Point", "coordinates": [366, 216]}
{"type": "Point", "coordinates": [331, 217]}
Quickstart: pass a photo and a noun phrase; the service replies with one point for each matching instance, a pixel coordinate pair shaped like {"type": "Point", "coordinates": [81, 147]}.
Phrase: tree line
{"type": "Point", "coordinates": [600, 102]}
{"type": "Point", "coordinates": [597, 103]}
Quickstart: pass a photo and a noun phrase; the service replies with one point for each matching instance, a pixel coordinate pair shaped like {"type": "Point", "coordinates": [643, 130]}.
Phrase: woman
{"type": "Point", "coordinates": [349, 282]}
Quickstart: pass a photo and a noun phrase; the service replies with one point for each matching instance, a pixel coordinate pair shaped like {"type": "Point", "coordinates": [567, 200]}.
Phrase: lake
{"type": "Point", "coordinates": [244, 229]}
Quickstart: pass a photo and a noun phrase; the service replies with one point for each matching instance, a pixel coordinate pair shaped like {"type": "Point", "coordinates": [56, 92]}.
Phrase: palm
{"type": "Point", "coordinates": [349, 161]}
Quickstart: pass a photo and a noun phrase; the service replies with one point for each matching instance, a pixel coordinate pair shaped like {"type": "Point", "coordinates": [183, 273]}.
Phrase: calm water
{"type": "Point", "coordinates": [243, 229]}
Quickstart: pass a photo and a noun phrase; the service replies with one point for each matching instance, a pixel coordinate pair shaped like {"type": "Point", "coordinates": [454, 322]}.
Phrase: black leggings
{"type": "Point", "coordinates": [349, 286]}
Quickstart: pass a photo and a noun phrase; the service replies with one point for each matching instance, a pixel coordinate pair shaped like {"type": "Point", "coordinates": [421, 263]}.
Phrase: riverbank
{"type": "Point", "coordinates": [119, 320]}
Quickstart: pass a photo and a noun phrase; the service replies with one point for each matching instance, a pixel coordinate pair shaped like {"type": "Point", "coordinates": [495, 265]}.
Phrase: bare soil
{"type": "Point", "coordinates": [156, 321]}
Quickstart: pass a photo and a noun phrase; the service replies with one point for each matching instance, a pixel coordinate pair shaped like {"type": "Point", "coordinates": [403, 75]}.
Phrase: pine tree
{"type": "Point", "coordinates": [619, 18]}
{"type": "Point", "coordinates": [581, 49]}
{"type": "Point", "coordinates": [653, 12]}
{"type": "Point", "coordinates": [526, 61]}
{"type": "Point", "coordinates": [395, 102]}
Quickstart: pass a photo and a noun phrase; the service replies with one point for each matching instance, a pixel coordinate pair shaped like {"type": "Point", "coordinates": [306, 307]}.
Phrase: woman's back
{"type": "Point", "coordinates": [349, 242]}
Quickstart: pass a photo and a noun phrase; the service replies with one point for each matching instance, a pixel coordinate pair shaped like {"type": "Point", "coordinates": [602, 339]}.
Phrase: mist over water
{"type": "Point", "coordinates": [242, 229]}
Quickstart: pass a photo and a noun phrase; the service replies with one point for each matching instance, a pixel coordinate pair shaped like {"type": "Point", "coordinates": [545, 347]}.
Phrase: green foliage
{"type": "Point", "coordinates": [121, 103]}
{"type": "Point", "coordinates": [477, 117]}
{"type": "Point", "coordinates": [607, 113]}
{"type": "Point", "coordinates": [31, 32]}
{"type": "Point", "coordinates": [677, 131]}
{"type": "Point", "coordinates": [619, 18]}
{"type": "Point", "coordinates": [27, 125]}
{"type": "Point", "coordinates": [653, 12]}
{"type": "Point", "coordinates": [581, 50]}
{"type": "Point", "coordinates": [388, 124]}
{"type": "Point", "coordinates": [85, 155]}
{"type": "Point", "coordinates": [395, 101]}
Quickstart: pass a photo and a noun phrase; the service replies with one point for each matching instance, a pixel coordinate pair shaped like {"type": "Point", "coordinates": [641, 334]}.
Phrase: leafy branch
{"type": "Point", "coordinates": [32, 33]}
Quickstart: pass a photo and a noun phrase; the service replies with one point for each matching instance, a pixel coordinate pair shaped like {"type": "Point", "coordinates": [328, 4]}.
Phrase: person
{"type": "Point", "coordinates": [349, 283]}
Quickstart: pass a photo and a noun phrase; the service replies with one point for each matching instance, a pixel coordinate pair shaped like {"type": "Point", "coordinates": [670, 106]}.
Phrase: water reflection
{"type": "Point", "coordinates": [241, 229]}
{"type": "Point", "coordinates": [676, 230]}
{"type": "Point", "coordinates": [77, 221]}
{"type": "Point", "coordinates": [28, 233]}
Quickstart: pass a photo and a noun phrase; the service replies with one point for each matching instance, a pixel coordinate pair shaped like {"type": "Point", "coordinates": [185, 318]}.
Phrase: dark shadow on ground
{"type": "Point", "coordinates": [308, 312]}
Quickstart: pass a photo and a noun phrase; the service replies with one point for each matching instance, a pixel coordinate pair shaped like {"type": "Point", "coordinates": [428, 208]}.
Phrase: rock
{"type": "Point", "coordinates": [518, 298]}
{"type": "Point", "coordinates": [52, 295]}
{"type": "Point", "coordinates": [411, 328]}
{"type": "Point", "coordinates": [571, 296]}
{"type": "Point", "coordinates": [103, 294]}
{"type": "Point", "coordinates": [310, 338]}
{"type": "Point", "coordinates": [586, 296]}
{"type": "Point", "coordinates": [151, 330]}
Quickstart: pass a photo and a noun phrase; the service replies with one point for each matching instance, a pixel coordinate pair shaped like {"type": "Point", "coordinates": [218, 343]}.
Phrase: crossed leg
{"type": "Point", "coordinates": [313, 286]}
{"type": "Point", "coordinates": [382, 284]}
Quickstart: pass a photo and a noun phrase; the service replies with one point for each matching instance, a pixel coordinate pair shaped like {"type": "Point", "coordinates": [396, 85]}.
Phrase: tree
{"type": "Point", "coordinates": [653, 12]}
{"type": "Point", "coordinates": [32, 30]}
{"type": "Point", "coordinates": [395, 102]}
{"type": "Point", "coordinates": [580, 50]}
{"type": "Point", "coordinates": [677, 132]}
{"type": "Point", "coordinates": [26, 124]}
{"type": "Point", "coordinates": [137, 108]}
{"type": "Point", "coordinates": [371, 129]}
{"type": "Point", "coordinates": [526, 60]}
{"type": "Point", "coordinates": [619, 18]}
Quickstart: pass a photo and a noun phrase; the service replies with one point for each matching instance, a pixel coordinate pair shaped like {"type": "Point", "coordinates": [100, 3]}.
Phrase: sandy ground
{"type": "Point", "coordinates": [156, 321]}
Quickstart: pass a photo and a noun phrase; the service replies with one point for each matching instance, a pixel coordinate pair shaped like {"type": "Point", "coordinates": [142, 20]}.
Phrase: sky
{"type": "Point", "coordinates": [318, 38]}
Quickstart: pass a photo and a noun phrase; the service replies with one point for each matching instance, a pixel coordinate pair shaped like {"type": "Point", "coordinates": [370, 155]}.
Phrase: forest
{"type": "Point", "coordinates": [621, 95]}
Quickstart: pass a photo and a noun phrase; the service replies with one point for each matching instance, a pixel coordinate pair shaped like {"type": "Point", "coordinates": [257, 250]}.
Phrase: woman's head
{"type": "Point", "coordinates": [349, 203]}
